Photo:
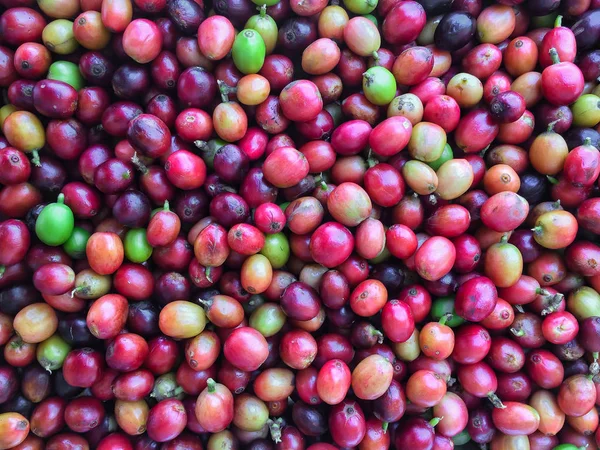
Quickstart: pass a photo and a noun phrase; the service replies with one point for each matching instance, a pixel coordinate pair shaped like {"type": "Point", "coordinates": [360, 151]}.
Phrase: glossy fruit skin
{"type": "Point", "coordinates": [16, 168]}
{"type": "Point", "coordinates": [24, 131]}
{"type": "Point", "coordinates": [507, 107]}
{"type": "Point", "coordinates": [185, 170]}
{"type": "Point", "coordinates": [563, 41]}
{"type": "Point", "coordinates": [476, 299]}
{"type": "Point", "coordinates": [375, 437]}
{"type": "Point", "coordinates": [361, 36]}
{"type": "Point", "coordinates": [133, 386]}
{"type": "Point", "coordinates": [454, 410]}
{"type": "Point", "coordinates": [436, 341]}
{"type": "Point", "coordinates": [142, 40]}
{"type": "Point", "coordinates": [368, 298]}
{"type": "Point", "coordinates": [35, 323]}
{"type": "Point", "coordinates": [24, 24]}
{"type": "Point", "coordinates": [32, 60]}
{"type": "Point", "coordinates": [397, 321]}
{"type": "Point", "coordinates": [526, 421]}
{"type": "Point", "coordinates": [83, 367]}
{"type": "Point", "coordinates": [350, 137]}
{"type": "Point", "coordinates": [216, 37]}
{"type": "Point", "coordinates": [333, 381]}
{"type": "Point", "coordinates": [427, 382]}
{"type": "Point", "coordinates": [415, 431]}
{"type": "Point", "coordinates": [545, 369]}
{"type": "Point", "coordinates": [251, 413]}
{"type": "Point", "coordinates": [105, 252]}
{"type": "Point", "coordinates": [300, 301]}
{"type": "Point", "coordinates": [248, 51]}
{"type": "Point", "coordinates": [506, 256]}
{"type": "Point", "coordinates": [478, 379]}
{"type": "Point", "coordinates": [246, 349]}
{"type": "Point", "coordinates": [372, 377]}
{"type": "Point", "coordinates": [15, 235]}
{"type": "Point", "coordinates": [454, 31]}
{"type": "Point", "coordinates": [549, 224]}
{"type": "Point", "coordinates": [118, 14]}
{"type": "Point", "coordinates": [82, 415]}
{"type": "Point", "coordinates": [182, 319]}
{"type": "Point", "coordinates": [390, 136]}
{"type": "Point", "coordinates": [435, 258]}
{"type": "Point", "coordinates": [277, 167]}
{"type": "Point", "coordinates": [347, 422]}
{"type": "Point", "coordinates": [320, 57]}
{"type": "Point", "coordinates": [15, 429]}
{"type": "Point", "coordinates": [217, 397]}
{"type": "Point", "coordinates": [166, 420]}
{"type": "Point", "coordinates": [54, 279]}
{"type": "Point", "coordinates": [107, 316]}
{"type": "Point", "coordinates": [476, 130]}
{"type": "Point", "coordinates": [564, 74]}
{"type": "Point", "coordinates": [302, 92]}
{"type": "Point", "coordinates": [61, 96]}
{"type": "Point", "coordinates": [574, 390]}
{"type": "Point", "coordinates": [326, 258]}
{"type": "Point", "coordinates": [581, 166]}
{"type": "Point", "coordinates": [552, 418]}
{"type": "Point", "coordinates": [55, 223]}
{"type": "Point", "coordinates": [331, 244]}
{"type": "Point", "coordinates": [515, 203]}
{"type": "Point", "coordinates": [149, 135]}
{"type": "Point", "coordinates": [560, 327]}
{"type": "Point", "coordinates": [379, 85]}
{"type": "Point", "coordinates": [412, 13]}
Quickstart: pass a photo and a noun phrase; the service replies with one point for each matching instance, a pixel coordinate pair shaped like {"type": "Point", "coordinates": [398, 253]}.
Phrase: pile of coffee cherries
{"type": "Point", "coordinates": [299, 224]}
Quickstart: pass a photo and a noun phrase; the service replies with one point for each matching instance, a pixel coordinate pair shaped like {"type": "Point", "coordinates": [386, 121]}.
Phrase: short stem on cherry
{"type": "Point", "coordinates": [495, 400]}
{"type": "Point", "coordinates": [137, 162]}
{"type": "Point", "coordinates": [202, 145]}
{"type": "Point", "coordinates": [550, 127]}
{"type": "Point", "coordinates": [558, 21]}
{"type": "Point", "coordinates": [211, 385]}
{"type": "Point", "coordinates": [225, 90]}
{"type": "Point", "coordinates": [594, 366]}
{"type": "Point", "coordinates": [379, 335]}
{"type": "Point", "coordinates": [35, 158]}
{"type": "Point", "coordinates": [178, 391]}
{"type": "Point", "coordinates": [517, 333]}
{"type": "Point", "coordinates": [275, 429]}
{"type": "Point", "coordinates": [445, 318]}
{"type": "Point", "coordinates": [433, 422]}
{"type": "Point", "coordinates": [553, 305]}
{"type": "Point", "coordinates": [320, 181]}
{"type": "Point", "coordinates": [206, 304]}
{"type": "Point", "coordinates": [554, 55]}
